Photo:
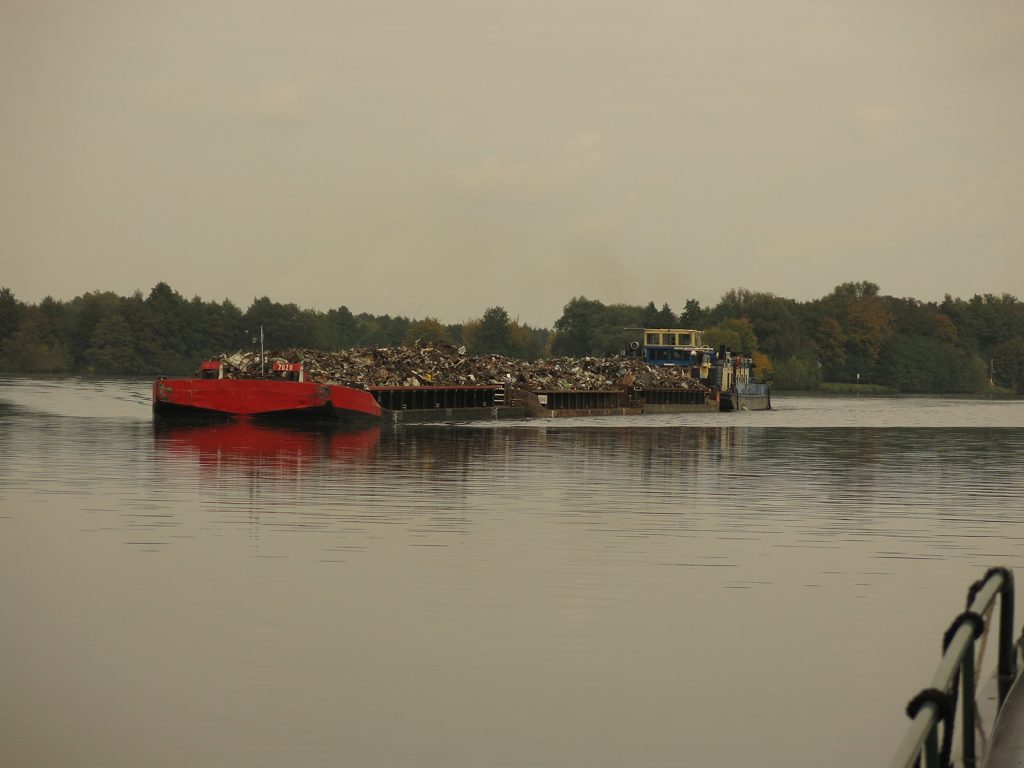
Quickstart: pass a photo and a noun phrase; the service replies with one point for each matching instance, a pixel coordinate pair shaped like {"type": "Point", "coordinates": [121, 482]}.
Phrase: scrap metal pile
{"type": "Point", "coordinates": [447, 365]}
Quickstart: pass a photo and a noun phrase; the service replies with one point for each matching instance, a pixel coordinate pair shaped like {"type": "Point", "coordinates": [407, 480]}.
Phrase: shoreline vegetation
{"type": "Point", "coordinates": [854, 340]}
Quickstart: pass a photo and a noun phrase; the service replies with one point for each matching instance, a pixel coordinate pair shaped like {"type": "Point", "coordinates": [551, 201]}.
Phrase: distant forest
{"type": "Point", "coordinates": [852, 335]}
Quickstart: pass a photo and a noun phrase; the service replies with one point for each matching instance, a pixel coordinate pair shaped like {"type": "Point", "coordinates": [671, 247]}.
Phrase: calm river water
{"type": "Point", "coordinates": [701, 589]}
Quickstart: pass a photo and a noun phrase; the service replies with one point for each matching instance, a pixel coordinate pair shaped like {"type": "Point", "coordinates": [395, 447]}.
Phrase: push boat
{"type": "Point", "coordinates": [731, 378]}
{"type": "Point", "coordinates": [727, 383]}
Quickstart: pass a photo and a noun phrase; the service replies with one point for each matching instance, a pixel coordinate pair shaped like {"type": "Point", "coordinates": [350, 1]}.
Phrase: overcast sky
{"type": "Point", "coordinates": [438, 158]}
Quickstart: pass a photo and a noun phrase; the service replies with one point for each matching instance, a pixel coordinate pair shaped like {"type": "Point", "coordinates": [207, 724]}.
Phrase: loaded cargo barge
{"type": "Point", "coordinates": [709, 380]}
{"type": "Point", "coordinates": [270, 398]}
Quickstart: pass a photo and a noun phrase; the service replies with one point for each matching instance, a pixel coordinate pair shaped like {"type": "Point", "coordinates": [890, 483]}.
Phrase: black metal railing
{"type": "Point", "coordinates": [938, 704]}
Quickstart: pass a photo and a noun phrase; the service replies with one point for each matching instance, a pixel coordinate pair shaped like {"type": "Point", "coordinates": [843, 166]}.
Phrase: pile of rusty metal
{"type": "Point", "coordinates": [447, 365]}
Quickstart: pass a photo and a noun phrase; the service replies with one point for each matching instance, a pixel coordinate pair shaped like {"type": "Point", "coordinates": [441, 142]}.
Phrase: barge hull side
{"type": "Point", "coordinates": [261, 397]}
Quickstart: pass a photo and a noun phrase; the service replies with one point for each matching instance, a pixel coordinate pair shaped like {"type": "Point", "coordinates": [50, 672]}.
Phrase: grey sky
{"type": "Point", "coordinates": [438, 158]}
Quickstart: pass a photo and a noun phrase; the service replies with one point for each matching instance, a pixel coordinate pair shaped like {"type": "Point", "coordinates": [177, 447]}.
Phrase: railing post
{"type": "Point", "coordinates": [1007, 659]}
{"type": "Point", "coordinates": [931, 747]}
{"type": "Point", "coordinates": [957, 667]}
{"type": "Point", "coordinates": [967, 705]}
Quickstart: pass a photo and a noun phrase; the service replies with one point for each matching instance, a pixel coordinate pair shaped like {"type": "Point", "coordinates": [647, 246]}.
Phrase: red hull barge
{"type": "Point", "coordinates": [211, 395]}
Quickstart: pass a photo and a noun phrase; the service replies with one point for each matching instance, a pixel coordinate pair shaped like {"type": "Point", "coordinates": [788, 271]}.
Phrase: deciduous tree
{"type": "Point", "coordinates": [427, 331]}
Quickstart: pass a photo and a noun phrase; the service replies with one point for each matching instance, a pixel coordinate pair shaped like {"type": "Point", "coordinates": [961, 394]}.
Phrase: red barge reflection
{"type": "Point", "coordinates": [247, 442]}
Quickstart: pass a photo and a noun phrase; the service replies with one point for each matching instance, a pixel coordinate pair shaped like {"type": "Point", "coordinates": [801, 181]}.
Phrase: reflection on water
{"type": "Point", "coordinates": [657, 591]}
{"type": "Point", "coordinates": [253, 445]}
{"type": "Point", "coordinates": [835, 482]}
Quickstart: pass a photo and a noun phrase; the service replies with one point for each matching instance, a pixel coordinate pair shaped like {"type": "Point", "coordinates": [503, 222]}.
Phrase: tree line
{"type": "Point", "coordinates": [165, 333]}
{"type": "Point", "coordinates": [852, 335]}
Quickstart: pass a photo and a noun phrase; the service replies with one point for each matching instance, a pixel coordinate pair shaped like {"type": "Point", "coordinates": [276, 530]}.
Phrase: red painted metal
{"type": "Point", "coordinates": [347, 399]}
{"type": "Point", "coordinates": [253, 397]}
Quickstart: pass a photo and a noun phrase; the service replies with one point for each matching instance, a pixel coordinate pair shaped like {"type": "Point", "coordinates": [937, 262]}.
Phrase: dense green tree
{"type": "Point", "coordinates": [493, 335]}
{"type": "Point", "coordinates": [380, 330]}
{"type": "Point", "coordinates": [847, 291]}
{"type": "Point", "coordinates": [990, 327]}
{"type": "Point", "coordinates": [528, 343]}
{"type": "Point", "coordinates": [114, 347]}
{"type": "Point", "coordinates": [829, 343]}
{"type": "Point", "coordinates": [284, 325]}
{"type": "Point", "coordinates": [915, 363]}
{"type": "Point", "coordinates": [57, 317]}
{"type": "Point", "coordinates": [214, 327]}
{"type": "Point", "coordinates": [488, 335]}
{"type": "Point", "coordinates": [618, 325]}
{"type": "Point", "coordinates": [39, 344]}
{"type": "Point", "coordinates": [777, 322]}
{"type": "Point", "coordinates": [871, 324]}
{"type": "Point", "coordinates": [1006, 365]}
{"type": "Point", "coordinates": [588, 327]}
{"type": "Point", "coordinates": [996, 319]}
{"type": "Point", "coordinates": [910, 316]}
{"type": "Point", "coordinates": [87, 312]}
{"type": "Point", "coordinates": [733, 304]}
{"type": "Point", "coordinates": [736, 333]}
{"type": "Point", "coordinates": [847, 330]}
{"type": "Point", "coordinates": [667, 317]}
{"type": "Point", "coordinates": [341, 328]}
{"type": "Point", "coordinates": [693, 316]}
{"type": "Point", "coordinates": [164, 334]}
{"type": "Point", "coordinates": [580, 321]}
{"type": "Point", "coordinates": [11, 311]}
{"type": "Point", "coordinates": [427, 331]}
{"type": "Point", "coordinates": [653, 317]}
{"type": "Point", "coordinates": [454, 331]}
{"type": "Point", "coordinates": [799, 372]}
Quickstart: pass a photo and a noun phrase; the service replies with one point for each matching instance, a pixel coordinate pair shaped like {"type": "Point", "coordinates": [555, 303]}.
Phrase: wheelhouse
{"type": "Point", "coordinates": [675, 346]}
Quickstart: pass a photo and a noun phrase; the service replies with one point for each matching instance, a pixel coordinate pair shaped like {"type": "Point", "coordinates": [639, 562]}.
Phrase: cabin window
{"type": "Point", "coordinates": [668, 339]}
{"type": "Point", "coordinates": [685, 340]}
{"type": "Point", "coordinates": [652, 338]}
